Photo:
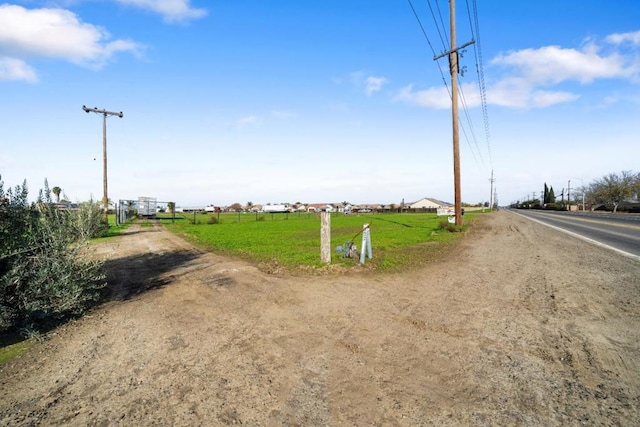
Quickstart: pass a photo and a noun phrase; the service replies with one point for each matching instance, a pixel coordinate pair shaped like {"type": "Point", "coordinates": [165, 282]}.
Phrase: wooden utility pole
{"type": "Point", "coordinates": [453, 67]}
{"type": "Point", "coordinates": [491, 200]}
{"type": "Point", "coordinates": [104, 113]}
{"type": "Point", "coordinates": [453, 61]}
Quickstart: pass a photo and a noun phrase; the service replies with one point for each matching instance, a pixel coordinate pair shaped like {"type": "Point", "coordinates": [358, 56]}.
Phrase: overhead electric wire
{"type": "Point", "coordinates": [444, 80]}
{"type": "Point", "coordinates": [465, 109]}
{"type": "Point", "coordinates": [445, 45]}
{"type": "Point", "coordinates": [462, 96]}
{"type": "Point", "coordinates": [477, 48]}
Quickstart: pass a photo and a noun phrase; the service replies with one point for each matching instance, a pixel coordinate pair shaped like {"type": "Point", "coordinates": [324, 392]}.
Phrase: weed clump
{"type": "Point", "coordinates": [450, 227]}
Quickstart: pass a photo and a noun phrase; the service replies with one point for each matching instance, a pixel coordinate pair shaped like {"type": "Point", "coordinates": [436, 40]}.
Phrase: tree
{"type": "Point", "coordinates": [613, 188]}
{"type": "Point", "coordinates": [172, 207]}
{"type": "Point", "coordinates": [545, 197]}
{"type": "Point", "coordinates": [237, 207]}
{"type": "Point", "coordinates": [57, 191]}
{"type": "Point", "coordinates": [551, 197]}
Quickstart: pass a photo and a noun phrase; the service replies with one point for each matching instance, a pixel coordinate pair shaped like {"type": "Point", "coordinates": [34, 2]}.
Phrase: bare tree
{"type": "Point", "coordinates": [614, 188]}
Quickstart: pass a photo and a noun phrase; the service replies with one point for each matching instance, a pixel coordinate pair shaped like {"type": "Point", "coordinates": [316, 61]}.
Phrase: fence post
{"type": "Point", "coordinates": [325, 237]}
{"type": "Point", "coordinates": [366, 243]}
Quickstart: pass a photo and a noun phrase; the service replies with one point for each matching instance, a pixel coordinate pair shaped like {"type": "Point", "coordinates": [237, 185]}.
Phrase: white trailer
{"type": "Point", "coordinates": [275, 208]}
{"type": "Point", "coordinates": [147, 207]}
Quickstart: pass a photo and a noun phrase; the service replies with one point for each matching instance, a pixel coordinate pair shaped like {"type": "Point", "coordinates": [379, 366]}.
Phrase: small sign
{"type": "Point", "coordinates": [449, 211]}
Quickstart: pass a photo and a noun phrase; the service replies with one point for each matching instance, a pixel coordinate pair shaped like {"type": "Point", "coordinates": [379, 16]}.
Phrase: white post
{"type": "Point", "coordinates": [325, 237]}
{"type": "Point", "coordinates": [366, 243]}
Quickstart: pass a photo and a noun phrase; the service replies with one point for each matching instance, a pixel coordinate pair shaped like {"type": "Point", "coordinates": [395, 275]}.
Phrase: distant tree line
{"type": "Point", "coordinates": [607, 192]}
{"type": "Point", "coordinates": [43, 276]}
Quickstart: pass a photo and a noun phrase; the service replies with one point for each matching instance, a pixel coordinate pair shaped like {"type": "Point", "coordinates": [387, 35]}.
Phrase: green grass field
{"type": "Point", "coordinates": [293, 240]}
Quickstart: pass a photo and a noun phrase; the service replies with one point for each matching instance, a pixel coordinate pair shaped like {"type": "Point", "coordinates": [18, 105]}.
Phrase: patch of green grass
{"type": "Point", "coordinates": [9, 352]}
{"type": "Point", "coordinates": [112, 231]}
{"type": "Point", "coordinates": [293, 240]}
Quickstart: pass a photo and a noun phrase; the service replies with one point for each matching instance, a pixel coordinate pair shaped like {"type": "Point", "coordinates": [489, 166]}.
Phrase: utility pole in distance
{"type": "Point", "coordinates": [105, 113]}
{"type": "Point", "coordinates": [491, 201]}
{"type": "Point", "coordinates": [453, 67]}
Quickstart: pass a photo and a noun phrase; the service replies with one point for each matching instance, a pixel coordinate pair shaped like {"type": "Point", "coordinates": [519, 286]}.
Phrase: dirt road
{"type": "Point", "coordinates": [521, 326]}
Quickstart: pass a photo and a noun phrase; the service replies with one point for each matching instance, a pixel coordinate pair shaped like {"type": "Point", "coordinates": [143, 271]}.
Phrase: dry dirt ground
{"type": "Point", "coordinates": [521, 326]}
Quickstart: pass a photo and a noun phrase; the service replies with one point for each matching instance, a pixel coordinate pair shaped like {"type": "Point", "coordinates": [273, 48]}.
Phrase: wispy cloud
{"type": "Point", "coordinates": [374, 84]}
{"type": "Point", "coordinates": [16, 69]}
{"type": "Point", "coordinates": [434, 97]}
{"type": "Point", "coordinates": [552, 64]}
{"type": "Point", "coordinates": [283, 115]}
{"type": "Point", "coordinates": [53, 33]}
{"type": "Point", "coordinates": [245, 122]}
{"type": "Point", "coordinates": [620, 38]}
{"type": "Point", "coordinates": [172, 11]}
{"type": "Point", "coordinates": [518, 92]}
{"type": "Point", "coordinates": [370, 84]}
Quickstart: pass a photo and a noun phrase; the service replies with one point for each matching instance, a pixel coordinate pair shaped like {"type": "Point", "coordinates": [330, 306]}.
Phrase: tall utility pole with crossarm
{"type": "Point", "coordinates": [105, 114]}
{"type": "Point", "coordinates": [453, 66]}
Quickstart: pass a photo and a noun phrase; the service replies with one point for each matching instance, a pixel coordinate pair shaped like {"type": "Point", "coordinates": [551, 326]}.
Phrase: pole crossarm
{"type": "Point", "coordinates": [103, 112]}
{"type": "Point", "coordinates": [435, 58]}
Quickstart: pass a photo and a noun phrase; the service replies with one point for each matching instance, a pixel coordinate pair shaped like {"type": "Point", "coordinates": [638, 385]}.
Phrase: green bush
{"type": "Point", "coordinates": [43, 277]}
{"type": "Point", "coordinates": [88, 221]}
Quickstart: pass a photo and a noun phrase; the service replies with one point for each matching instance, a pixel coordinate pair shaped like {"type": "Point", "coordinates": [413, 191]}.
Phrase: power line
{"type": "Point", "coordinates": [477, 47]}
{"type": "Point", "coordinates": [465, 108]}
{"type": "Point", "coordinates": [442, 39]}
{"type": "Point", "coordinates": [444, 80]}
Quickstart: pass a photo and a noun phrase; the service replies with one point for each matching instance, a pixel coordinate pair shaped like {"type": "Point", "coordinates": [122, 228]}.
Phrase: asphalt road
{"type": "Point", "coordinates": [618, 232]}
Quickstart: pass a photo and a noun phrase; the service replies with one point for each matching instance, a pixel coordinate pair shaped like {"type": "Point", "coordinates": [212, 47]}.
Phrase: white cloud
{"type": "Point", "coordinates": [16, 69]}
{"type": "Point", "coordinates": [55, 33]}
{"type": "Point", "coordinates": [532, 76]}
{"type": "Point", "coordinates": [433, 97]}
{"type": "Point", "coordinates": [374, 84]}
{"type": "Point", "coordinates": [552, 64]}
{"type": "Point", "coordinates": [437, 97]}
{"type": "Point", "coordinates": [245, 122]}
{"type": "Point", "coordinates": [171, 10]}
{"type": "Point", "coordinates": [545, 98]}
{"type": "Point", "coordinates": [370, 84]}
{"type": "Point", "coordinates": [518, 92]}
{"type": "Point", "coordinates": [620, 38]}
{"type": "Point", "coordinates": [283, 115]}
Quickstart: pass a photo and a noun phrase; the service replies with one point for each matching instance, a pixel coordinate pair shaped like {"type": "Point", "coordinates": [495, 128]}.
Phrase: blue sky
{"type": "Point", "coordinates": [314, 101]}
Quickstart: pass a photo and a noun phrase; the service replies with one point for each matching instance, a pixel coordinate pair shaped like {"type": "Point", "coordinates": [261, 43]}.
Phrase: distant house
{"type": "Point", "coordinates": [320, 207]}
{"type": "Point", "coordinates": [366, 208]}
{"type": "Point", "coordinates": [429, 203]}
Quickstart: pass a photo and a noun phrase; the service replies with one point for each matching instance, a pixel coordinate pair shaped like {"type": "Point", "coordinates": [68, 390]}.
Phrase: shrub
{"type": "Point", "coordinates": [88, 221]}
{"type": "Point", "coordinates": [43, 277]}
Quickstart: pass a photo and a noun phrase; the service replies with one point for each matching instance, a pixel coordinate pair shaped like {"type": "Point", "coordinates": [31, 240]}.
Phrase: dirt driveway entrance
{"type": "Point", "coordinates": [520, 326]}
